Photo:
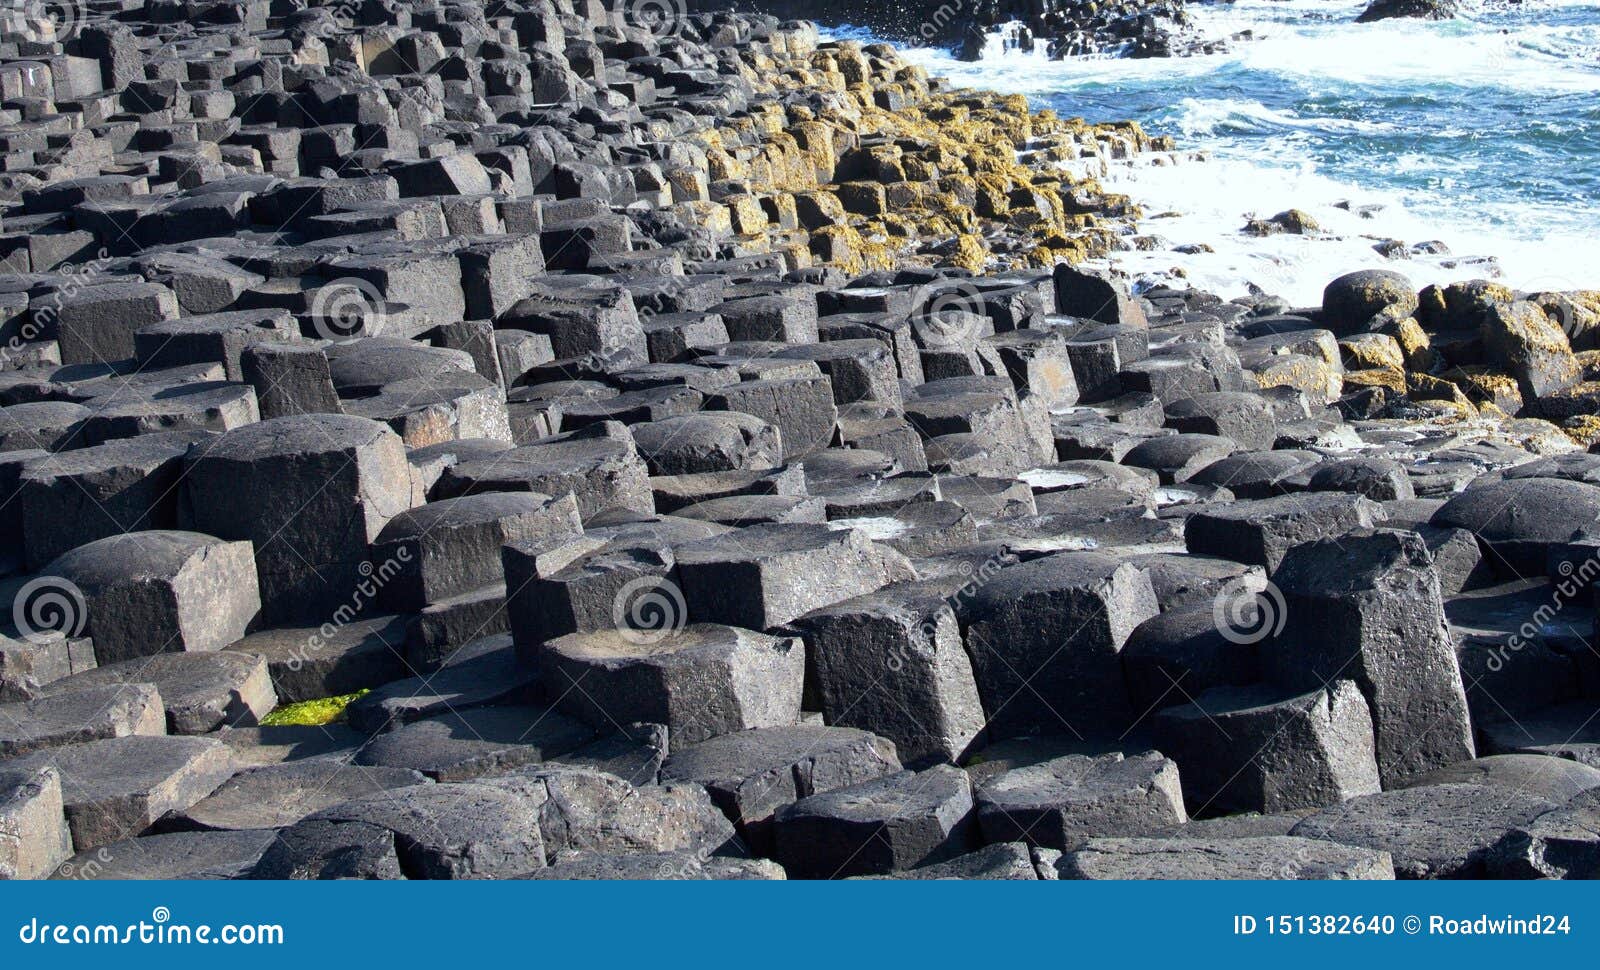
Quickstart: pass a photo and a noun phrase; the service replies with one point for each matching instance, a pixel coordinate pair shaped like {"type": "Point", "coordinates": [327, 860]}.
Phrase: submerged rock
{"type": "Point", "coordinates": [1415, 9]}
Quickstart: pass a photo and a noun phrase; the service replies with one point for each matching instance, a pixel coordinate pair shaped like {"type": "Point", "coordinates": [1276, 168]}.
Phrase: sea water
{"type": "Point", "coordinates": [1482, 133]}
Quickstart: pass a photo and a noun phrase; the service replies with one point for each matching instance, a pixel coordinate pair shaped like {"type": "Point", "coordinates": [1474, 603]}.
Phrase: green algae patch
{"type": "Point", "coordinates": [312, 713]}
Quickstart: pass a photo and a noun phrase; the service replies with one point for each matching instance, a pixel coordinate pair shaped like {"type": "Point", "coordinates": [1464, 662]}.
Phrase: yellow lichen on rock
{"type": "Point", "coordinates": [1355, 380]}
{"type": "Point", "coordinates": [312, 713]}
{"type": "Point", "coordinates": [944, 166]}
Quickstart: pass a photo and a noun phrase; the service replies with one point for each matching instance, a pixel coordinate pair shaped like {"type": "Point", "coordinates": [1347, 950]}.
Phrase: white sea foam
{"type": "Point", "coordinates": [1213, 199]}
{"type": "Point", "coordinates": [1264, 159]}
{"type": "Point", "coordinates": [1052, 478]}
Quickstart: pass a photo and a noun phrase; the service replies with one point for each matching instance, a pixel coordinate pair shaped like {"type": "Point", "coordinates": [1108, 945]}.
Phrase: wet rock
{"type": "Point", "coordinates": [1416, 9]}
{"type": "Point", "coordinates": [1094, 296]}
{"type": "Point", "coordinates": [1531, 347]}
{"type": "Point", "coordinates": [1350, 302]}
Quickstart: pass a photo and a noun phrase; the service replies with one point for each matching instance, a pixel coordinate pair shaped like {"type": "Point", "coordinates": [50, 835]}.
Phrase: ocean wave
{"type": "Point", "coordinates": [1497, 51]}
{"type": "Point", "coordinates": [1198, 117]}
{"type": "Point", "coordinates": [1480, 132]}
{"type": "Point", "coordinates": [1335, 56]}
{"type": "Point", "coordinates": [1209, 202]}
